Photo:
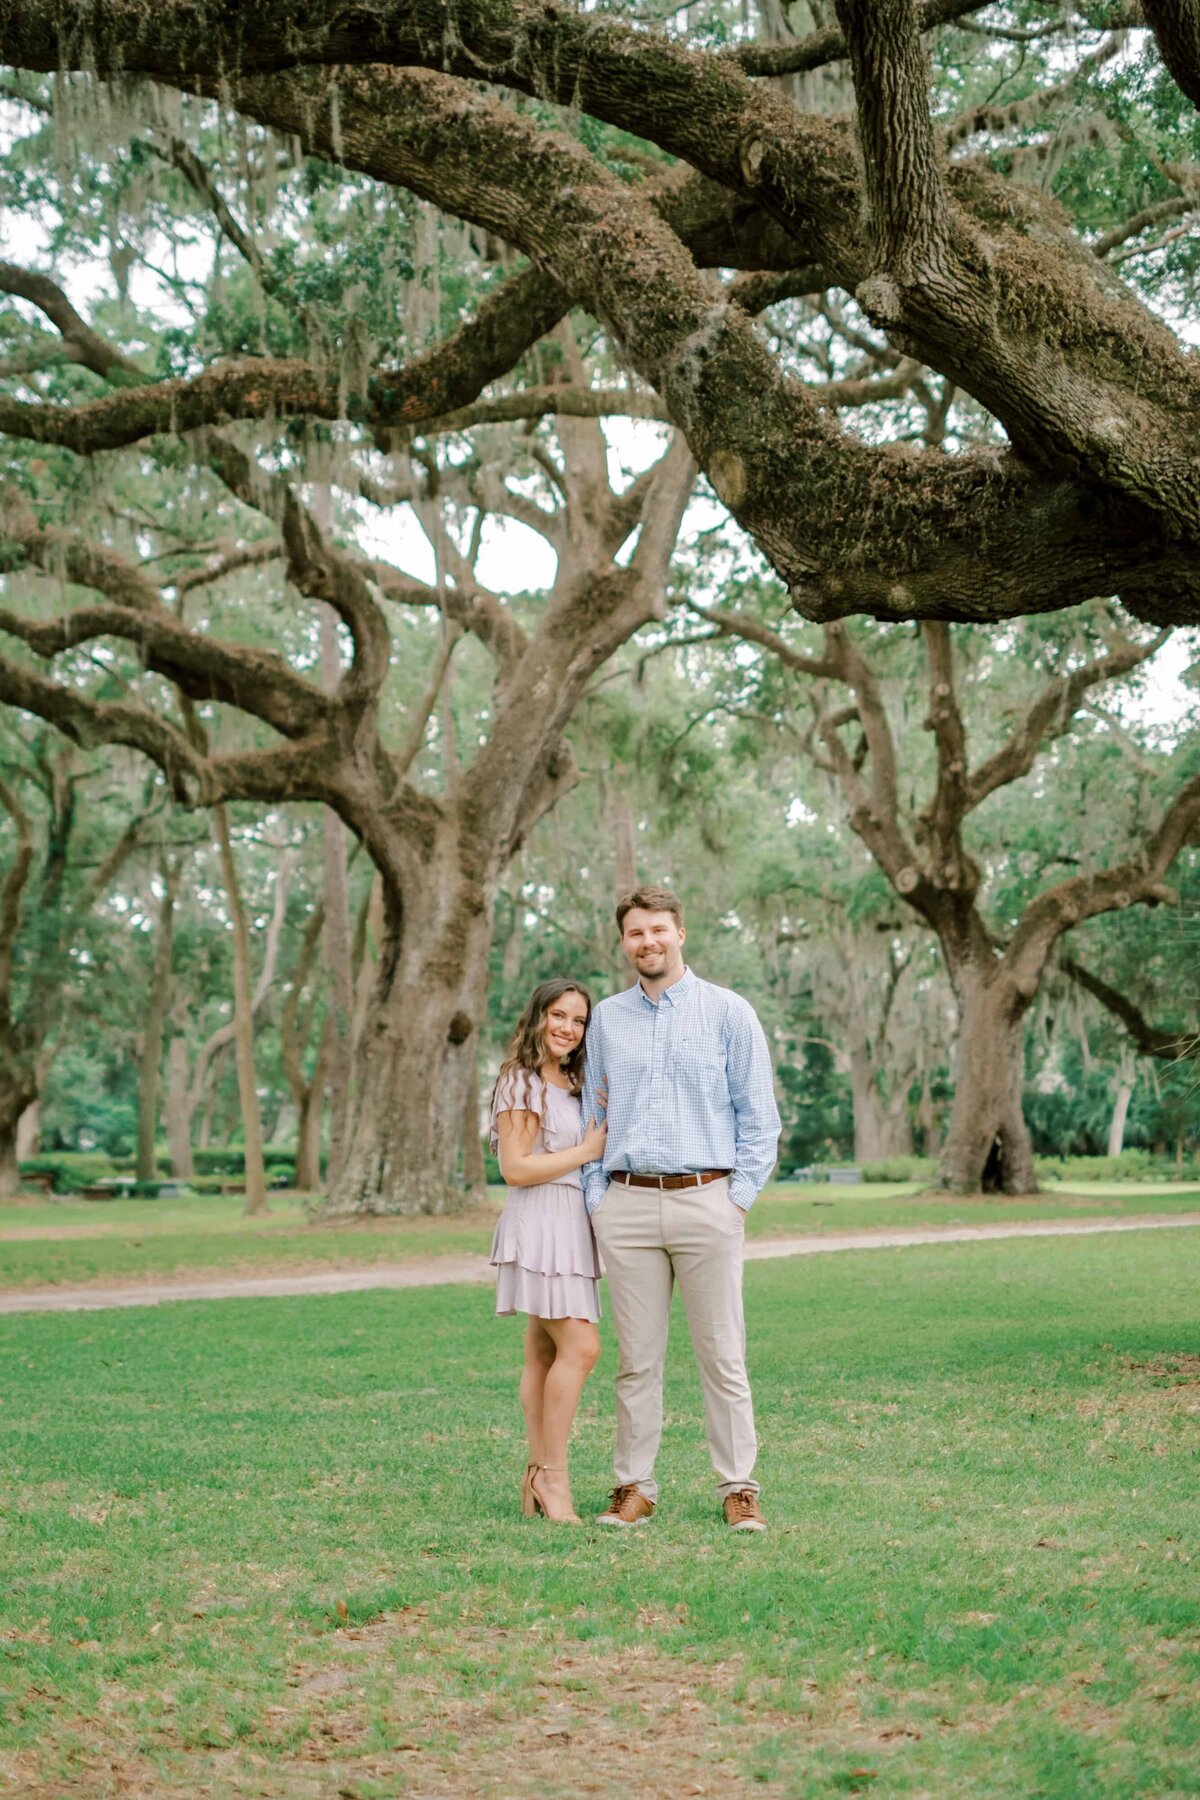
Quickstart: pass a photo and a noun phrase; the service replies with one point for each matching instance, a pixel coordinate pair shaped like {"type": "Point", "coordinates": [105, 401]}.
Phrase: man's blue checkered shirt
{"type": "Point", "coordinates": [689, 1087]}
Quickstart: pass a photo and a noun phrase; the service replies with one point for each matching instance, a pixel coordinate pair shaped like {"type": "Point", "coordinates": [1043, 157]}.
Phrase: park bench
{"type": "Point", "coordinates": [42, 1179]}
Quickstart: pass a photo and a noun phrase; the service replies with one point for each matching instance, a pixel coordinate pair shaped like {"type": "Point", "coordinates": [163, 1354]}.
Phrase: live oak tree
{"type": "Point", "coordinates": [439, 854]}
{"type": "Point", "coordinates": [627, 165]}
{"type": "Point", "coordinates": [918, 815]}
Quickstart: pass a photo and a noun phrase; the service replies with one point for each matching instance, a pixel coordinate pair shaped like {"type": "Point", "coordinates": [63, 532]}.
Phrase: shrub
{"type": "Point", "coordinates": [1131, 1165]}
{"type": "Point", "coordinates": [900, 1168]}
{"type": "Point", "coordinates": [71, 1169]}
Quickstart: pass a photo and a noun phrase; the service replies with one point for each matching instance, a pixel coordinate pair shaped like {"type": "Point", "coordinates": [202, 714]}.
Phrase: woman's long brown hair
{"type": "Point", "coordinates": [528, 1047]}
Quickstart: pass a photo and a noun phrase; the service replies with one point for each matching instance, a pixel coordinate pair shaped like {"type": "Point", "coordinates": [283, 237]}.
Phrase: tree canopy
{"type": "Point", "coordinates": [906, 294]}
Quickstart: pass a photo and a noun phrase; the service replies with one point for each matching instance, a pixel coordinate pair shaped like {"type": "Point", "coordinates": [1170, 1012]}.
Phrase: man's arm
{"type": "Point", "coordinates": [756, 1116]}
{"type": "Point", "coordinates": [593, 1107]}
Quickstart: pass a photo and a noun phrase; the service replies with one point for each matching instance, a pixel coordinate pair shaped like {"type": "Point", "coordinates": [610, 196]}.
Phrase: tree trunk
{"type": "Point", "coordinates": [987, 1148]}
{"type": "Point", "coordinates": [310, 1107]}
{"type": "Point", "coordinates": [152, 1040]}
{"type": "Point", "coordinates": [340, 976]}
{"type": "Point", "coordinates": [17, 1092]}
{"type": "Point", "coordinates": [1120, 1112]}
{"type": "Point", "coordinates": [10, 1180]}
{"type": "Point", "coordinates": [474, 1171]}
{"type": "Point", "coordinates": [868, 1112]}
{"type": "Point", "coordinates": [408, 1093]}
{"type": "Point", "coordinates": [29, 1130]}
{"type": "Point", "coordinates": [243, 1012]}
{"type": "Point", "coordinates": [212, 1098]}
{"type": "Point", "coordinates": [179, 1111]}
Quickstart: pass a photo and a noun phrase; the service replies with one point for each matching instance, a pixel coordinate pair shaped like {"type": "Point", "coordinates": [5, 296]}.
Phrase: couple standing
{"type": "Point", "coordinates": [682, 1071]}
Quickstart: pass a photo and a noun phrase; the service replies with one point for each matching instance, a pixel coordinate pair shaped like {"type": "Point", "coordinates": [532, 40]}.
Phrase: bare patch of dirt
{"type": "Point", "coordinates": [392, 1709]}
{"type": "Point", "coordinates": [1178, 1369]}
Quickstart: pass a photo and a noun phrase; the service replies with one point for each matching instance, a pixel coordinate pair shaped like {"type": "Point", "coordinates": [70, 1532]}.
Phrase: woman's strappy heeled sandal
{"type": "Point", "coordinates": [571, 1518]}
{"type": "Point", "coordinates": [528, 1503]}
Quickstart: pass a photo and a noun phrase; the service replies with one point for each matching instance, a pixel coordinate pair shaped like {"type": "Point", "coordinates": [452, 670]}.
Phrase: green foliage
{"type": "Point", "coordinates": [979, 1474]}
{"type": "Point", "coordinates": [900, 1168]}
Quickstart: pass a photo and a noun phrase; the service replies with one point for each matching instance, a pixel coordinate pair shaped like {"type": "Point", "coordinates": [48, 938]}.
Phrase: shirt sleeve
{"type": "Point", "coordinates": [592, 1174]}
{"type": "Point", "coordinates": [756, 1116]}
{"type": "Point", "coordinates": [518, 1090]}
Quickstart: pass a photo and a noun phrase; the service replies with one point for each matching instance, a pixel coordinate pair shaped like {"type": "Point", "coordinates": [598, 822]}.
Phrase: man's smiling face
{"type": "Point", "coordinates": [653, 942]}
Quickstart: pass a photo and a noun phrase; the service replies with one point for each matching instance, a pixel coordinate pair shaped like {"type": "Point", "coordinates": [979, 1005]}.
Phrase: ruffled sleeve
{"type": "Point", "coordinates": [518, 1090]}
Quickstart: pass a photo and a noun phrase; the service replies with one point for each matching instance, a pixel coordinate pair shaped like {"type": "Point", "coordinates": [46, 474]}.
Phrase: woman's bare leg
{"type": "Point", "coordinates": [539, 1358]}
{"type": "Point", "coordinates": [576, 1349]}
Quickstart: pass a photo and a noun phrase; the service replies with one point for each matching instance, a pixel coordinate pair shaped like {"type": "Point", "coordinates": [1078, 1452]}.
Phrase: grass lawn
{"type": "Point", "coordinates": [69, 1242]}
{"type": "Point", "coordinates": [271, 1548]}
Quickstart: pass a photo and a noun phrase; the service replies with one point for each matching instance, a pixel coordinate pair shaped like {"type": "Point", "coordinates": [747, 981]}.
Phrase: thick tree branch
{"type": "Point", "coordinates": [740, 625]}
{"type": "Point", "coordinates": [1176, 27]}
{"type": "Point", "coordinates": [1012, 317]}
{"type": "Point", "coordinates": [256, 681]}
{"type": "Point", "coordinates": [259, 682]}
{"type": "Point", "coordinates": [85, 344]}
{"type": "Point", "coordinates": [1141, 221]}
{"type": "Point", "coordinates": [1138, 880]}
{"type": "Point", "coordinates": [314, 565]}
{"type": "Point", "coordinates": [904, 184]}
{"type": "Point", "coordinates": [942, 818]}
{"type": "Point", "coordinates": [874, 808]}
{"type": "Point", "coordinates": [755, 434]}
{"type": "Point", "coordinates": [1051, 715]}
{"type": "Point", "coordinates": [1148, 1039]}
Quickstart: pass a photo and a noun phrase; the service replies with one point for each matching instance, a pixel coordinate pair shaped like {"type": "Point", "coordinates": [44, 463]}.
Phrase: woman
{"type": "Point", "coordinates": [543, 1247]}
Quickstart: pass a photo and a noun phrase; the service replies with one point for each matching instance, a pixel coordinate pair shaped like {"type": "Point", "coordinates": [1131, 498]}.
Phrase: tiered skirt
{"type": "Point", "coordinates": [545, 1255]}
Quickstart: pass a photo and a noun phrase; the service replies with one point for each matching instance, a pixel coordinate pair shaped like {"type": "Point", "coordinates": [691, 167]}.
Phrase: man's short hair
{"type": "Point", "coordinates": [650, 899]}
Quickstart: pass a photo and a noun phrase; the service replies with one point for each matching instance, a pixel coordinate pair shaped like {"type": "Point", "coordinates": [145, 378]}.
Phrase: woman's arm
{"type": "Point", "coordinates": [520, 1167]}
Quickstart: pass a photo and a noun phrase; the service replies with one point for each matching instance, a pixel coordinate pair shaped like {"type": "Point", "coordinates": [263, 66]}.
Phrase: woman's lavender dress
{"type": "Point", "coordinates": [543, 1249]}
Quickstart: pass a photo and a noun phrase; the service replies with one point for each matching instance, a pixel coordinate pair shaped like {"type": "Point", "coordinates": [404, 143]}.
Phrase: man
{"type": "Point", "coordinates": [686, 1078]}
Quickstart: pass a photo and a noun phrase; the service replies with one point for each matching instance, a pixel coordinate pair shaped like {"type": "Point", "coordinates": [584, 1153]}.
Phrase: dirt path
{"type": "Point", "coordinates": [440, 1270]}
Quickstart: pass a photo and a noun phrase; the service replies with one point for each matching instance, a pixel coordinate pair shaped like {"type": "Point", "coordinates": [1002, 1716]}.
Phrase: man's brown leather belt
{"type": "Point", "coordinates": [701, 1179]}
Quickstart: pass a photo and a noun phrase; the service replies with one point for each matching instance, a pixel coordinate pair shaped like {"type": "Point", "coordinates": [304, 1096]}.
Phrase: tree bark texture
{"type": "Point", "coordinates": [426, 1004]}
{"type": "Point", "coordinates": [987, 1147]}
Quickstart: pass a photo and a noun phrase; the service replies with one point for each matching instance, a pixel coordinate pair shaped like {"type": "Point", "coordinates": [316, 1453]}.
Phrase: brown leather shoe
{"type": "Point", "coordinates": [626, 1506]}
{"type": "Point", "coordinates": [742, 1511]}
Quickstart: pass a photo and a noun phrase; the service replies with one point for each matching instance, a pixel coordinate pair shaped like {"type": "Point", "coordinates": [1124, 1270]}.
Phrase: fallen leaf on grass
{"type": "Point", "coordinates": [342, 1610]}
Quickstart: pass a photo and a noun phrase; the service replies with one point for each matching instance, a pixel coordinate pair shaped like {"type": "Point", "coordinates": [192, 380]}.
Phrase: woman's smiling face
{"type": "Point", "coordinates": [563, 1025]}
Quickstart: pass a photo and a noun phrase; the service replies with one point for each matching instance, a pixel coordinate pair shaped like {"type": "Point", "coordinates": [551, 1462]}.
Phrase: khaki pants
{"type": "Point", "coordinates": [649, 1239]}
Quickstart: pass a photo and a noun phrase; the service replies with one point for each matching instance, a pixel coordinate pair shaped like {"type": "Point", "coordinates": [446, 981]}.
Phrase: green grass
{"type": "Point", "coordinates": [271, 1548]}
{"type": "Point", "coordinates": [131, 1240]}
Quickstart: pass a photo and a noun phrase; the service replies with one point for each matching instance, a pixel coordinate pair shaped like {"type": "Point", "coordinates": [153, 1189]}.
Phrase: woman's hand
{"type": "Point", "coordinates": [593, 1141]}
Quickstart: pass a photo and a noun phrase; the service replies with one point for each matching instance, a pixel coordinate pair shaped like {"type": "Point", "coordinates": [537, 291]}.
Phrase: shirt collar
{"type": "Point", "coordinates": [677, 991]}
